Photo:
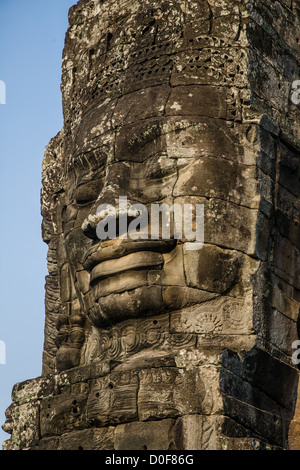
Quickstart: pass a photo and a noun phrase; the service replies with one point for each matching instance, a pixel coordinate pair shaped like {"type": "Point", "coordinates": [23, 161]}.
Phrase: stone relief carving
{"type": "Point", "coordinates": [165, 152]}
{"type": "Point", "coordinates": [168, 102]}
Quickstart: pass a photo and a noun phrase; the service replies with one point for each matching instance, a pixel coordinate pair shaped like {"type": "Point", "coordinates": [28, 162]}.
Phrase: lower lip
{"type": "Point", "coordinates": [119, 283]}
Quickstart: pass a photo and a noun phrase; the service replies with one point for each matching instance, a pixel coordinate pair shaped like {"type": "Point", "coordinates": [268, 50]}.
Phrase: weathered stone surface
{"type": "Point", "coordinates": [218, 178]}
{"type": "Point", "coordinates": [113, 399]}
{"type": "Point", "coordinates": [197, 100]}
{"type": "Point", "coordinates": [50, 443]}
{"type": "Point", "coordinates": [280, 381]}
{"type": "Point", "coordinates": [156, 435]}
{"type": "Point", "coordinates": [89, 439]}
{"type": "Point", "coordinates": [149, 344]}
{"type": "Point", "coordinates": [172, 392]}
{"type": "Point", "coordinates": [220, 316]}
{"type": "Point", "coordinates": [64, 412]}
{"type": "Point", "coordinates": [25, 419]}
{"type": "Point", "coordinates": [212, 268]}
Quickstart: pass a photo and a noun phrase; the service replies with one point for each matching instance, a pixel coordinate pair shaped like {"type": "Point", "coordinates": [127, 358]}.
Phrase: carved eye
{"type": "Point", "coordinates": [160, 168]}
{"type": "Point", "coordinates": [88, 192]}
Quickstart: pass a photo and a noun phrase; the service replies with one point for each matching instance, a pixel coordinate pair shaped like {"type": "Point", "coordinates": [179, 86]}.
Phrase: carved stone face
{"type": "Point", "coordinates": [156, 125]}
{"type": "Point", "coordinates": [158, 160]}
{"type": "Point", "coordinates": [170, 101]}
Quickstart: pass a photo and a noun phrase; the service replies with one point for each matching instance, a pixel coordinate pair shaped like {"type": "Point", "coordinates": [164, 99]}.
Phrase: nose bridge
{"type": "Point", "coordinates": [116, 197]}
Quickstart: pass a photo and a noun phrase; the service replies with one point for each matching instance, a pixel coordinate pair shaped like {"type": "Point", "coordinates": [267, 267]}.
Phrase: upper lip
{"type": "Point", "coordinates": [133, 261]}
{"type": "Point", "coordinates": [119, 248]}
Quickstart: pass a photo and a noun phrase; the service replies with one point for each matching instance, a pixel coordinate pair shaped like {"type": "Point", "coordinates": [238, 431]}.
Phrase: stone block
{"type": "Point", "coordinates": [88, 439]}
{"type": "Point", "coordinates": [212, 268]}
{"type": "Point", "coordinates": [64, 412]}
{"type": "Point", "coordinates": [172, 271]}
{"type": "Point", "coordinates": [220, 316]}
{"type": "Point", "coordinates": [171, 392]}
{"type": "Point", "coordinates": [26, 426]}
{"type": "Point", "coordinates": [132, 108]}
{"type": "Point", "coordinates": [264, 372]}
{"type": "Point", "coordinates": [177, 297]}
{"type": "Point", "coordinates": [206, 101]}
{"type": "Point", "coordinates": [113, 399]}
{"type": "Point", "coordinates": [218, 178]}
{"type": "Point", "coordinates": [48, 444]}
{"type": "Point", "coordinates": [213, 433]}
{"type": "Point", "coordinates": [152, 435]}
{"type": "Point", "coordinates": [268, 425]}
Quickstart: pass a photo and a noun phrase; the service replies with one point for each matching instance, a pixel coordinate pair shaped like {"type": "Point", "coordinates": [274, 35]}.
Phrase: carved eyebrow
{"type": "Point", "coordinates": [89, 177]}
{"type": "Point", "coordinates": [154, 131]}
{"type": "Point", "coordinates": [96, 159]}
{"type": "Point", "coordinates": [89, 162]}
{"type": "Point", "coordinates": [145, 135]}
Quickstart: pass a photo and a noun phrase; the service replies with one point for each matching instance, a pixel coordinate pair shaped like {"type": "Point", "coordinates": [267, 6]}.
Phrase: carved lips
{"type": "Point", "coordinates": [133, 261]}
{"type": "Point", "coordinates": [118, 248]}
{"type": "Point", "coordinates": [120, 265]}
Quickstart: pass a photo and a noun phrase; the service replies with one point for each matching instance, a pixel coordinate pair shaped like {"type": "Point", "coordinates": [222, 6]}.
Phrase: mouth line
{"type": "Point", "coordinates": [120, 248]}
{"type": "Point", "coordinates": [140, 260]}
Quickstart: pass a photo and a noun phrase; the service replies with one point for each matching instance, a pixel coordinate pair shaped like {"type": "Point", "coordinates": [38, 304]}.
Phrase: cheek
{"type": "Point", "coordinates": [82, 214]}
{"type": "Point", "coordinates": [73, 217]}
{"type": "Point", "coordinates": [139, 303]}
{"type": "Point", "coordinates": [76, 245]}
{"type": "Point", "coordinates": [173, 269]}
{"type": "Point", "coordinates": [212, 269]}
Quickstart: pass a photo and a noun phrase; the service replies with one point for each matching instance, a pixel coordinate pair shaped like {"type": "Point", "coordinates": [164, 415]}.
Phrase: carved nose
{"type": "Point", "coordinates": [89, 226]}
{"type": "Point", "coordinates": [117, 217]}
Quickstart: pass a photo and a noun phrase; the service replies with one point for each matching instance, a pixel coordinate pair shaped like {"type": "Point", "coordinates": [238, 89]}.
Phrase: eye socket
{"type": "Point", "coordinates": [88, 192]}
{"type": "Point", "coordinates": [155, 170]}
{"type": "Point", "coordinates": [160, 174]}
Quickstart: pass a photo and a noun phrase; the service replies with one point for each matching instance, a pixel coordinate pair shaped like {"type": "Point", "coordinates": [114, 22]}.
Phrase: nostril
{"type": "Point", "coordinates": [89, 226]}
{"type": "Point", "coordinates": [90, 232]}
{"type": "Point", "coordinates": [110, 222]}
{"type": "Point", "coordinates": [123, 226]}
{"type": "Point", "coordinates": [110, 228]}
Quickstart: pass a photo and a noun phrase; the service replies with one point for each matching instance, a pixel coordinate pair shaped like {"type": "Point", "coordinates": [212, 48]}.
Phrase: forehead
{"type": "Point", "coordinates": [143, 61]}
{"type": "Point", "coordinates": [169, 137]}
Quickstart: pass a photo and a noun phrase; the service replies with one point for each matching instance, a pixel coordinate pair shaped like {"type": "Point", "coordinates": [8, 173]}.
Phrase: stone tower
{"type": "Point", "coordinates": [150, 344]}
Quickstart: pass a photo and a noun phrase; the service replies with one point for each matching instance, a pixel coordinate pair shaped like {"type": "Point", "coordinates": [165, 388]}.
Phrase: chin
{"type": "Point", "coordinates": [114, 308]}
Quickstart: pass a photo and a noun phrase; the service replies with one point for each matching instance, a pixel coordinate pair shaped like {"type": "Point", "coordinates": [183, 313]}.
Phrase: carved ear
{"type": "Point", "coordinates": [70, 336]}
{"type": "Point", "coordinates": [51, 203]}
{"type": "Point", "coordinates": [52, 184]}
{"type": "Point", "coordinates": [70, 324]}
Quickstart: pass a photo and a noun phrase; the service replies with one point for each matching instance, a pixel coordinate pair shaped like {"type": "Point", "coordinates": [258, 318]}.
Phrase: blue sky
{"type": "Point", "coordinates": [31, 44]}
